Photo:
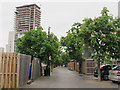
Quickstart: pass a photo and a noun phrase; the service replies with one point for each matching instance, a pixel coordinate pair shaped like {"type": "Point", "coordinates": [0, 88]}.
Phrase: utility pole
{"type": "Point", "coordinates": [48, 65]}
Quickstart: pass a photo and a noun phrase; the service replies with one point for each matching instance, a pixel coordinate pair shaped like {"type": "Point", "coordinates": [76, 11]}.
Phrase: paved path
{"type": "Point", "coordinates": [63, 78]}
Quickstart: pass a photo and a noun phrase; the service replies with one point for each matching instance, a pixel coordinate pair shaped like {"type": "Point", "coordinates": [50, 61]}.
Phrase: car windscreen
{"type": "Point", "coordinates": [116, 68]}
{"type": "Point", "coordinates": [108, 67]}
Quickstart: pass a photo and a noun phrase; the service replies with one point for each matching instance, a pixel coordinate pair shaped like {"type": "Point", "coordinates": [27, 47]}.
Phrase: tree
{"type": "Point", "coordinates": [37, 44]}
{"type": "Point", "coordinates": [65, 58]}
{"type": "Point", "coordinates": [32, 43]}
{"type": "Point", "coordinates": [73, 43]}
{"type": "Point", "coordinates": [100, 34]}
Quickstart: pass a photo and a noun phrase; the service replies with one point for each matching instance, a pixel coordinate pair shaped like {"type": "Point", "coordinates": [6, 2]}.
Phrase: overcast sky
{"type": "Point", "coordinates": [58, 15]}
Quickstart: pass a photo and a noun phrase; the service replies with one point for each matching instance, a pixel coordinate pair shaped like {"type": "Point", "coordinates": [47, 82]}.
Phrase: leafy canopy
{"type": "Point", "coordinates": [37, 44]}
{"type": "Point", "coordinates": [101, 35]}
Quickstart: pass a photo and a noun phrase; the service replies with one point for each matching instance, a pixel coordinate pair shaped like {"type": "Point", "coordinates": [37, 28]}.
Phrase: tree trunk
{"type": "Point", "coordinates": [99, 72]}
{"type": "Point", "coordinates": [32, 58]}
{"type": "Point", "coordinates": [40, 68]}
{"type": "Point", "coordinates": [80, 65]}
{"type": "Point", "coordinates": [48, 67]}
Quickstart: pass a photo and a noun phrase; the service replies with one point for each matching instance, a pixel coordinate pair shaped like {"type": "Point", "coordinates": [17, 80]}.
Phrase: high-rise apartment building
{"type": "Point", "coordinates": [10, 45]}
{"type": "Point", "coordinates": [27, 17]}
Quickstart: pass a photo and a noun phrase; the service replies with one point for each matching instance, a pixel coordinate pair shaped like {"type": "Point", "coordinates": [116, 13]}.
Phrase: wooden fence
{"type": "Point", "coordinates": [10, 70]}
{"type": "Point", "coordinates": [89, 66]}
{"type": "Point", "coordinates": [15, 70]}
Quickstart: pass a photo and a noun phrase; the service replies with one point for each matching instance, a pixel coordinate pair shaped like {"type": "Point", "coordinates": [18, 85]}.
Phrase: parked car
{"type": "Point", "coordinates": [104, 71]}
{"type": "Point", "coordinates": [114, 74]}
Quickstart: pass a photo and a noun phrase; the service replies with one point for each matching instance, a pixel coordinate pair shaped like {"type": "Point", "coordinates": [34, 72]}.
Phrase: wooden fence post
{"type": "Point", "coordinates": [10, 70]}
{"type": "Point", "coordinates": [18, 66]}
{"type": "Point", "coordinates": [6, 70]}
{"type": "Point", "coordinates": [2, 78]}
{"type": "Point", "coordinates": [14, 69]}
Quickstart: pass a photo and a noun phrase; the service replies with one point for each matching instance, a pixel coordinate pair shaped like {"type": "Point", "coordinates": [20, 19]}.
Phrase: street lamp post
{"type": "Point", "coordinates": [48, 65]}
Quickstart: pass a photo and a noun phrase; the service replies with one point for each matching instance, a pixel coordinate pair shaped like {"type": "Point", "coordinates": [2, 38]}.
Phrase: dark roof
{"type": "Point", "coordinates": [28, 6]}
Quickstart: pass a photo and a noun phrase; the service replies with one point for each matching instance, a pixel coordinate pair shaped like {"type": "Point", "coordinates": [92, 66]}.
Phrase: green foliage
{"type": "Point", "coordinates": [37, 44]}
{"type": "Point", "coordinates": [97, 38]}
{"type": "Point", "coordinates": [73, 43]}
{"type": "Point", "coordinates": [65, 58]}
{"type": "Point", "coordinates": [100, 34]}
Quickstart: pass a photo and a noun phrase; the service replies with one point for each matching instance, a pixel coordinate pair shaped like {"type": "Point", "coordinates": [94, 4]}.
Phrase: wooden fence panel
{"type": "Point", "coordinates": [0, 66]}
{"type": "Point", "coordinates": [90, 66]}
{"type": "Point", "coordinates": [10, 62]}
{"type": "Point", "coordinates": [77, 66]}
{"type": "Point", "coordinates": [6, 70]}
{"type": "Point", "coordinates": [15, 70]}
{"type": "Point", "coordinates": [10, 70]}
{"type": "Point", "coordinates": [3, 66]}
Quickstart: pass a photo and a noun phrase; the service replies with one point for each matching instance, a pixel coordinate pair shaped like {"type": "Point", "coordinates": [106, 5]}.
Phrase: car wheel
{"type": "Point", "coordinates": [119, 83]}
{"type": "Point", "coordinates": [114, 81]}
{"type": "Point", "coordinates": [105, 77]}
